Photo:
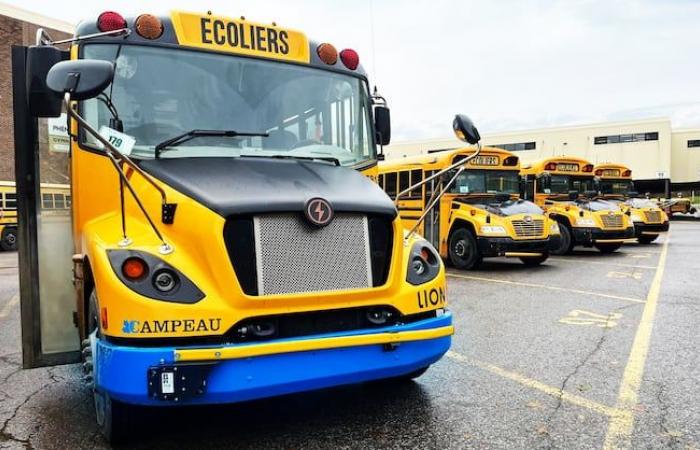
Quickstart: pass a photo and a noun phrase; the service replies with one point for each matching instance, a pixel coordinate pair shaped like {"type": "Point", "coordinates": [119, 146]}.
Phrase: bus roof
{"type": "Point", "coordinates": [612, 171]}
{"type": "Point", "coordinates": [204, 31]}
{"type": "Point", "coordinates": [536, 167]}
{"type": "Point", "coordinates": [444, 158]}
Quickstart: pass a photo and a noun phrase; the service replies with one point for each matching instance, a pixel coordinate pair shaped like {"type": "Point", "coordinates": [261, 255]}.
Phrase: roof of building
{"type": "Point", "coordinates": [35, 18]}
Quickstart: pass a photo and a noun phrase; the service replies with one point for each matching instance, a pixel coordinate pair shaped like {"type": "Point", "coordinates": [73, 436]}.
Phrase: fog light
{"type": "Point", "coordinates": [165, 280]}
{"type": "Point", "coordinates": [378, 316]}
{"type": "Point", "coordinates": [263, 329]}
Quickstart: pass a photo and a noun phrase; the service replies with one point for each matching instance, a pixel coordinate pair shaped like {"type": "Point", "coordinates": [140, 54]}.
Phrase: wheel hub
{"type": "Point", "coordinates": [460, 248]}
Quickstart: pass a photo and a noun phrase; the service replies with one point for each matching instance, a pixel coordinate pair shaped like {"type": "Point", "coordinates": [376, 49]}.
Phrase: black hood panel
{"type": "Point", "coordinates": [242, 186]}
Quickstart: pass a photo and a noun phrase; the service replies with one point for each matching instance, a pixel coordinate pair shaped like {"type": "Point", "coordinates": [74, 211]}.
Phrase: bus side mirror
{"type": "Point", "coordinates": [465, 130]}
{"type": "Point", "coordinates": [82, 79]}
{"type": "Point", "coordinates": [573, 195]}
{"type": "Point", "coordinates": [382, 124]}
{"type": "Point", "coordinates": [43, 102]}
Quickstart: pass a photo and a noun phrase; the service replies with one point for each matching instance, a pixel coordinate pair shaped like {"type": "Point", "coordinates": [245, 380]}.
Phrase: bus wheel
{"type": "Point", "coordinates": [607, 248]}
{"type": "Point", "coordinates": [566, 241]}
{"type": "Point", "coordinates": [463, 251]}
{"type": "Point", "coordinates": [535, 261]}
{"type": "Point", "coordinates": [114, 419]}
{"type": "Point", "coordinates": [8, 240]}
{"type": "Point", "coordinates": [647, 239]}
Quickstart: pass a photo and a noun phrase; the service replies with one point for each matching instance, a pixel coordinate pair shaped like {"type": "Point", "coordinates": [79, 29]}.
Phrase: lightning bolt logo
{"type": "Point", "coordinates": [319, 212]}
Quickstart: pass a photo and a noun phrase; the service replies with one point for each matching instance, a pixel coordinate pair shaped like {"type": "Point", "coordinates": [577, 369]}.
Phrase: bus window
{"type": "Point", "coordinates": [416, 177]}
{"type": "Point", "coordinates": [68, 198]}
{"type": "Point", "coordinates": [390, 187]}
{"type": "Point", "coordinates": [10, 200]}
{"type": "Point", "coordinates": [404, 180]}
{"type": "Point", "coordinates": [47, 201]}
{"type": "Point", "coordinates": [59, 201]}
{"type": "Point", "coordinates": [380, 180]}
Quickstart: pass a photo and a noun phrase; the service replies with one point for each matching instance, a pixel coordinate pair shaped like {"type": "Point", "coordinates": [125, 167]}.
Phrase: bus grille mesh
{"type": "Point", "coordinates": [531, 228]}
{"type": "Point", "coordinates": [292, 256]}
{"type": "Point", "coordinates": [611, 221]}
{"type": "Point", "coordinates": [653, 216]}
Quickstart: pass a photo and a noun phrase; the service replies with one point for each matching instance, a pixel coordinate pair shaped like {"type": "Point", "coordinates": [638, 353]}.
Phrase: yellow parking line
{"type": "Point", "coordinates": [5, 311]}
{"type": "Point", "coordinates": [534, 384]}
{"type": "Point", "coordinates": [546, 286]}
{"type": "Point", "coordinates": [601, 263]}
{"type": "Point", "coordinates": [620, 427]}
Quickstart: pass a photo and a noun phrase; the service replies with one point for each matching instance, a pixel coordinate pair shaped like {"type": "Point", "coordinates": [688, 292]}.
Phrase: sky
{"type": "Point", "coordinates": [507, 64]}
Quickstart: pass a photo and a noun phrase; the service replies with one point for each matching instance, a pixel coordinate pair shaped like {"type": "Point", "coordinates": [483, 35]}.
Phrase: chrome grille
{"type": "Point", "coordinates": [653, 216]}
{"type": "Point", "coordinates": [292, 256]}
{"type": "Point", "coordinates": [611, 221]}
{"type": "Point", "coordinates": [528, 228]}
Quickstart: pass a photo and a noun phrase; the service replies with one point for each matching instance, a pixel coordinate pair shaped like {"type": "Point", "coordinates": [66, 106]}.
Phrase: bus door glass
{"type": "Point", "coordinates": [431, 225]}
{"type": "Point", "coordinates": [45, 233]}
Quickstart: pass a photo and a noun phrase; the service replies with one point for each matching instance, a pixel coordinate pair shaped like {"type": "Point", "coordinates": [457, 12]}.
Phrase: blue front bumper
{"type": "Point", "coordinates": [122, 372]}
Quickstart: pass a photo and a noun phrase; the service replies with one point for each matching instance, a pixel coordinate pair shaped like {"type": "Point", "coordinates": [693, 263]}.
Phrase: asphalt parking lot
{"type": "Point", "coordinates": [586, 351]}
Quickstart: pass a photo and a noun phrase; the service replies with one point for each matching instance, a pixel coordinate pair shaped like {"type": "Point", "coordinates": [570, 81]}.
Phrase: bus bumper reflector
{"type": "Point", "coordinates": [273, 348]}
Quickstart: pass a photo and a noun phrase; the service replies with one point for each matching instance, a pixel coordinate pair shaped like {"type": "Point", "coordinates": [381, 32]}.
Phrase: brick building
{"type": "Point", "coordinates": [19, 27]}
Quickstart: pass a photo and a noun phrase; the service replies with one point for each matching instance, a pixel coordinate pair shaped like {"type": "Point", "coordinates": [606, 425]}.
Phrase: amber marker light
{"type": "Point", "coordinates": [104, 320]}
{"type": "Point", "coordinates": [149, 26]}
{"type": "Point", "coordinates": [327, 53]}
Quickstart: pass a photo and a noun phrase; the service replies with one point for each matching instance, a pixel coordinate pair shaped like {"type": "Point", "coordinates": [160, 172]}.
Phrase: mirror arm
{"type": "Point", "coordinates": [43, 38]}
{"type": "Point", "coordinates": [462, 164]}
{"type": "Point", "coordinates": [115, 156]}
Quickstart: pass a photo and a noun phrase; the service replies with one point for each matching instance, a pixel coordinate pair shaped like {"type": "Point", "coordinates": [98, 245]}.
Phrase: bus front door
{"type": "Point", "coordinates": [42, 160]}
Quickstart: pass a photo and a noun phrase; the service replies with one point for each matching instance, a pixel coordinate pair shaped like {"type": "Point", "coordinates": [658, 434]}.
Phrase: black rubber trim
{"type": "Point", "coordinates": [586, 236]}
{"type": "Point", "coordinates": [640, 228]}
{"type": "Point", "coordinates": [490, 247]}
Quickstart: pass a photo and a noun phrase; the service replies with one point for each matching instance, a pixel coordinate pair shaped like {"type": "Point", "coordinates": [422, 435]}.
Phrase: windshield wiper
{"type": "Point", "coordinates": [182, 138]}
{"type": "Point", "coordinates": [330, 159]}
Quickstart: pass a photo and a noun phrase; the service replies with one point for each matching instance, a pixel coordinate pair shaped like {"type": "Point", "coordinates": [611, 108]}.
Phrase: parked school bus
{"type": "Point", "coordinates": [230, 242]}
{"type": "Point", "coordinates": [565, 187]}
{"type": "Point", "coordinates": [480, 215]}
{"type": "Point", "coordinates": [54, 197]}
{"type": "Point", "coordinates": [615, 185]}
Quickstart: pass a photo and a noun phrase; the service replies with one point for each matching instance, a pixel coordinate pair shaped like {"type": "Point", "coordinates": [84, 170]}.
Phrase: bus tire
{"type": "Point", "coordinates": [8, 240]}
{"type": "Point", "coordinates": [647, 239]}
{"type": "Point", "coordinates": [463, 251]}
{"type": "Point", "coordinates": [566, 242]}
{"type": "Point", "coordinates": [607, 248]}
{"type": "Point", "coordinates": [535, 261]}
{"type": "Point", "coordinates": [116, 420]}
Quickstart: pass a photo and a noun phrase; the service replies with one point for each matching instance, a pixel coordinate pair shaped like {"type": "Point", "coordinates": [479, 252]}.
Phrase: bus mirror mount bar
{"type": "Point", "coordinates": [461, 165]}
{"type": "Point", "coordinates": [43, 38]}
{"type": "Point", "coordinates": [115, 156]}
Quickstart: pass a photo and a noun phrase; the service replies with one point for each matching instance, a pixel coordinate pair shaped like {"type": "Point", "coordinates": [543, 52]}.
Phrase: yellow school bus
{"type": "Point", "coordinates": [54, 197]}
{"type": "Point", "coordinates": [565, 187]}
{"type": "Point", "coordinates": [229, 242]}
{"type": "Point", "coordinates": [615, 185]}
{"type": "Point", "coordinates": [480, 215]}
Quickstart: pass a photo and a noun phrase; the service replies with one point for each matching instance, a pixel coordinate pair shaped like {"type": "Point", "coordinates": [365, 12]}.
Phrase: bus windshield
{"type": "Point", "coordinates": [615, 187]}
{"type": "Point", "coordinates": [486, 181]}
{"type": "Point", "coordinates": [562, 184]}
{"type": "Point", "coordinates": [160, 93]}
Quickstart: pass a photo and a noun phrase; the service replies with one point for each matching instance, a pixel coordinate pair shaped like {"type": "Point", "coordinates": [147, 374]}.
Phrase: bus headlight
{"type": "Point", "coordinates": [585, 222]}
{"type": "Point", "coordinates": [554, 228]}
{"type": "Point", "coordinates": [423, 263]}
{"type": "Point", "coordinates": [636, 218]}
{"type": "Point", "coordinates": [493, 230]}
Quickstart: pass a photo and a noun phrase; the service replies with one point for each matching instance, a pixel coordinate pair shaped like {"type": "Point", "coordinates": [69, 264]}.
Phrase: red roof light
{"type": "Point", "coordinates": [350, 58]}
{"type": "Point", "coordinates": [110, 21]}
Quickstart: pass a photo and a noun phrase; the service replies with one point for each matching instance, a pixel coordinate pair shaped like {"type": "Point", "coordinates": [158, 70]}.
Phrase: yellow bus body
{"type": "Point", "coordinates": [581, 223]}
{"type": "Point", "coordinates": [531, 244]}
{"type": "Point", "coordinates": [649, 220]}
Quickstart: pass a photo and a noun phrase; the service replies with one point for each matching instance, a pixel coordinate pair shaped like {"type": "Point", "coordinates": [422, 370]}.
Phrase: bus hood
{"type": "Point", "coordinates": [238, 186]}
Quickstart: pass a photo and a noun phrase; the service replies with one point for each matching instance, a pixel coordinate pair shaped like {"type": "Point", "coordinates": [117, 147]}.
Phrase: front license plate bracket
{"type": "Point", "coordinates": [178, 382]}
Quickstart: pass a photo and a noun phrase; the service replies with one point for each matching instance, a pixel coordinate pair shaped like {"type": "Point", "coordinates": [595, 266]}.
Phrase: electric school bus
{"type": "Point", "coordinates": [480, 214]}
{"type": "Point", "coordinates": [565, 187]}
{"type": "Point", "coordinates": [615, 185]}
{"type": "Point", "coordinates": [228, 241]}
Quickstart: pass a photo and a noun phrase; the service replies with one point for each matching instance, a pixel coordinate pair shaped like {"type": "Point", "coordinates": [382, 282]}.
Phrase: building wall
{"type": "Point", "coordinates": [685, 160]}
{"type": "Point", "coordinates": [648, 159]}
{"type": "Point", "coordinates": [17, 27]}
